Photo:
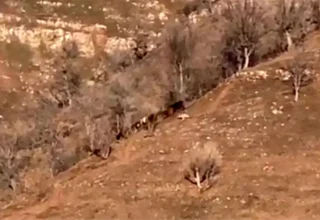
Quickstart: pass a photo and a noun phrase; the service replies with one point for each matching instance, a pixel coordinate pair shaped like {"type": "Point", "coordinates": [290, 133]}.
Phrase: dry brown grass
{"type": "Point", "coordinates": [190, 61]}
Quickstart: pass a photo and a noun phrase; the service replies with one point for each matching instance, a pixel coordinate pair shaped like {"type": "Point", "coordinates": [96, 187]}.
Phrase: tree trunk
{"type": "Point", "coordinates": [297, 85]}
{"type": "Point", "coordinates": [200, 91]}
{"type": "Point", "coordinates": [289, 40]}
{"type": "Point", "coordinates": [181, 82]}
{"type": "Point", "coordinates": [296, 95]}
{"type": "Point", "coordinates": [247, 54]}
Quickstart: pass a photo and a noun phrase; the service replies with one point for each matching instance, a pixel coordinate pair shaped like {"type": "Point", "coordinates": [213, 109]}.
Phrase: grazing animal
{"type": "Point", "coordinates": [120, 135]}
{"type": "Point", "coordinates": [183, 116]}
{"type": "Point", "coordinates": [175, 107]}
{"type": "Point", "coordinates": [204, 162]}
{"type": "Point", "coordinates": [124, 133]}
{"type": "Point", "coordinates": [104, 152]}
{"type": "Point", "coordinates": [149, 124]}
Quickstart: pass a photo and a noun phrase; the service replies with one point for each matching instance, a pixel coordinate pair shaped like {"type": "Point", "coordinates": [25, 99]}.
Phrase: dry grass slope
{"type": "Point", "coordinates": [268, 140]}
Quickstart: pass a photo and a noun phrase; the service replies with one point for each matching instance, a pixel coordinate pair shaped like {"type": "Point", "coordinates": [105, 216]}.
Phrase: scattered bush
{"type": "Point", "coordinates": [301, 73]}
{"type": "Point", "coordinates": [72, 118]}
{"type": "Point", "coordinates": [203, 164]}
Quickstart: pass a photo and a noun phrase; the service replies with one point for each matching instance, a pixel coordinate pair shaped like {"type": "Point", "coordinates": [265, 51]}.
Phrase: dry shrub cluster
{"type": "Point", "coordinates": [301, 73]}
{"type": "Point", "coordinates": [72, 118]}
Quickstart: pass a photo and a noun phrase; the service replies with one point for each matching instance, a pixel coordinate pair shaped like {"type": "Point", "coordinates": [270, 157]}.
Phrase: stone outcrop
{"type": "Point", "coordinates": [54, 31]}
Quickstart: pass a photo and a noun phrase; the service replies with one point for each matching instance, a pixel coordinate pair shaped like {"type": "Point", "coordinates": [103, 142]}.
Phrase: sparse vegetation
{"type": "Point", "coordinates": [292, 22]}
{"type": "Point", "coordinates": [72, 119]}
{"type": "Point", "coordinates": [245, 24]}
{"type": "Point", "coordinates": [301, 74]}
{"type": "Point", "coordinates": [204, 163]}
{"type": "Point", "coordinates": [181, 43]}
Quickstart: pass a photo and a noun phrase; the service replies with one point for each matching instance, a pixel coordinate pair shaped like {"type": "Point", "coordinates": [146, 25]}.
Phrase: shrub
{"type": "Point", "coordinates": [300, 73]}
{"type": "Point", "coordinates": [190, 61]}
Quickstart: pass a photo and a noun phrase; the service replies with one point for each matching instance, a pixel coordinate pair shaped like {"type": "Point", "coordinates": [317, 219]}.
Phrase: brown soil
{"type": "Point", "coordinates": [270, 167]}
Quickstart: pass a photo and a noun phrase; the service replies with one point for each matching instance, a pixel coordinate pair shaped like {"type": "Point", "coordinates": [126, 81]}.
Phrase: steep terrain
{"type": "Point", "coordinates": [269, 143]}
{"type": "Point", "coordinates": [270, 161]}
{"type": "Point", "coordinates": [33, 31]}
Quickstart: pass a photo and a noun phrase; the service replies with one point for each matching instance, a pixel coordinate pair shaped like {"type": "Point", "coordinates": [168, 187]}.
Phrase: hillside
{"type": "Point", "coordinates": [33, 32]}
{"type": "Point", "coordinates": [78, 79]}
{"type": "Point", "coordinates": [270, 162]}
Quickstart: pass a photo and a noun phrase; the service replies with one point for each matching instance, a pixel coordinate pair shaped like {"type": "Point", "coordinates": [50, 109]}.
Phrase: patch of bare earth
{"type": "Point", "coordinates": [271, 165]}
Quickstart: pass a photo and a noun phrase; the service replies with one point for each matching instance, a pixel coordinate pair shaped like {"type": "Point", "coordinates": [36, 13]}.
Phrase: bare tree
{"type": "Point", "coordinates": [181, 43]}
{"type": "Point", "coordinates": [291, 20]}
{"type": "Point", "coordinates": [297, 79]}
{"type": "Point", "coordinates": [245, 25]}
{"type": "Point", "coordinates": [300, 74]}
{"type": "Point", "coordinates": [99, 138]}
{"type": "Point", "coordinates": [300, 78]}
{"type": "Point", "coordinates": [67, 81]}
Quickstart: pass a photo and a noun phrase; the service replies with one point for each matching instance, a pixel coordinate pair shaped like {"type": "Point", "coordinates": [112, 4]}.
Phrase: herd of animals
{"type": "Point", "coordinates": [150, 122]}
{"type": "Point", "coordinates": [204, 160]}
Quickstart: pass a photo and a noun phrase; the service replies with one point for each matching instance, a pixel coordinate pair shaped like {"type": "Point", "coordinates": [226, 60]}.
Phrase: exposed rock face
{"type": "Point", "coordinates": [55, 29]}
{"type": "Point", "coordinates": [54, 34]}
{"type": "Point", "coordinates": [113, 27]}
{"type": "Point", "coordinates": [46, 27]}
